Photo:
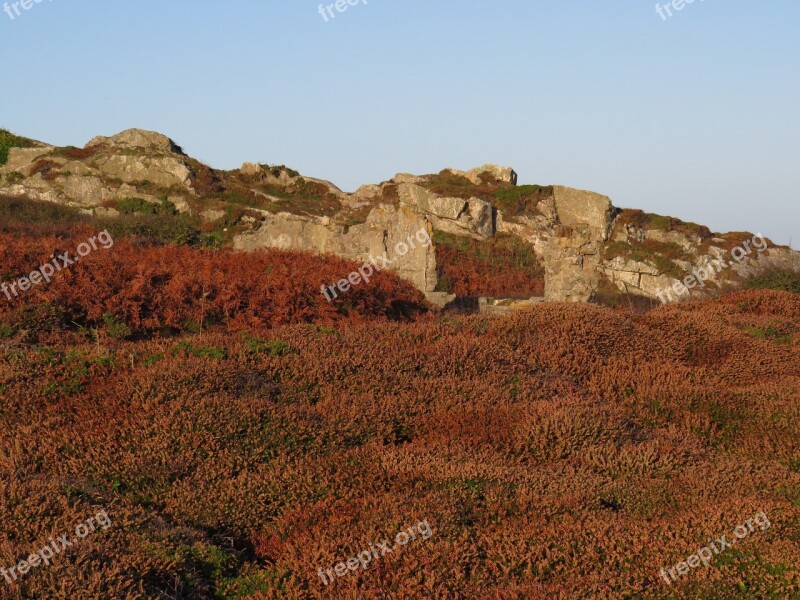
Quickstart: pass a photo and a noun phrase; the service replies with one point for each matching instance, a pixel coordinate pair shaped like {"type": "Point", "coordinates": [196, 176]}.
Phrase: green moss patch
{"type": "Point", "coordinates": [659, 254]}
{"type": "Point", "coordinates": [643, 220]}
{"type": "Point", "coordinates": [8, 140]}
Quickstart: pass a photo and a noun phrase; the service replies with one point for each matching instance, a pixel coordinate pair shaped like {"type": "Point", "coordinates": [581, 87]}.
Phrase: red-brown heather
{"type": "Point", "coordinates": [157, 288]}
{"type": "Point", "coordinates": [568, 451]}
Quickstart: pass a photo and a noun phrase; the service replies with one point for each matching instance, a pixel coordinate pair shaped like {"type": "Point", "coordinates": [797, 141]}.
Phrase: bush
{"type": "Point", "coordinates": [116, 328]}
{"type": "Point", "coordinates": [150, 289]}
{"type": "Point", "coordinates": [8, 140]}
{"type": "Point", "coordinates": [18, 213]}
{"type": "Point", "coordinates": [503, 266]}
{"type": "Point", "coordinates": [131, 206]}
{"type": "Point", "coordinates": [37, 318]}
{"type": "Point", "coordinates": [155, 229]}
{"type": "Point", "coordinates": [516, 200]}
{"type": "Point", "coordinates": [777, 279]}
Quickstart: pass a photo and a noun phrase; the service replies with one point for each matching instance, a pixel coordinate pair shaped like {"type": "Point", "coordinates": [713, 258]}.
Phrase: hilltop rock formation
{"type": "Point", "coordinates": [584, 244]}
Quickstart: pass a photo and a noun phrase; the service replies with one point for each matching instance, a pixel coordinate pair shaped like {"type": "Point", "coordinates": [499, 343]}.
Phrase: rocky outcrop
{"type": "Point", "coordinates": [582, 241]}
{"type": "Point", "coordinates": [138, 139]}
{"type": "Point", "coordinates": [109, 168]}
{"type": "Point", "coordinates": [162, 171]}
{"type": "Point", "coordinates": [572, 257]}
{"type": "Point", "coordinates": [401, 235]}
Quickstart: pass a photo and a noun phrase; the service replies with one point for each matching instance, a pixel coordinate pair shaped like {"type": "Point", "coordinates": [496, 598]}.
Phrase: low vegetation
{"type": "Point", "coordinates": [608, 294]}
{"type": "Point", "coordinates": [503, 266]}
{"type": "Point", "coordinates": [167, 290]}
{"type": "Point", "coordinates": [549, 459]}
{"type": "Point", "coordinates": [643, 220]}
{"type": "Point", "coordinates": [8, 140]}
{"type": "Point", "coordinates": [661, 255]}
{"type": "Point", "coordinates": [23, 214]}
{"type": "Point", "coordinates": [776, 279]}
{"type": "Point", "coordinates": [522, 199]}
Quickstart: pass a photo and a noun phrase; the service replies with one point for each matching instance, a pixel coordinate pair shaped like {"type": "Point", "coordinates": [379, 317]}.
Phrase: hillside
{"type": "Point", "coordinates": [547, 458]}
{"type": "Point", "coordinates": [492, 237]}
{"type": "Point", "coordinates": [207, 373]}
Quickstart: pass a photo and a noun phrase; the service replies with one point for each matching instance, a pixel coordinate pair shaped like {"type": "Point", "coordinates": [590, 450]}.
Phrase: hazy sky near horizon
{"type": "Point", "coordinates": [696, 116]}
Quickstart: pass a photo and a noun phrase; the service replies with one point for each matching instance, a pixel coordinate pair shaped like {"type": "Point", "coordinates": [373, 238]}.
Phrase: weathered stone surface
{"type": "Point", "coordinates": [688, 243]}
{"type": "Point", "coordinates": [407, 178]}
{"type": "Point", "coordinates": [397, 233]}
{"type": "Point", "coordinates": [577, 207]}
{"type": "Point", "coordinates": [572, 254]}
{"type": "Point", "coordinates": [180, 203]}
{"type": "Point", "coordinates": [473, 217]}
{"type": "Point", "coordinates": [138, 138]}
{"type": "Point", "coordinates": [164, 171]}
{"type": "Point", "coordinates": [368, 192]}
{"type": "Point", "coordinates": [401, 234]}
{"type": "Point", "coordinates": [289, 232]}
{"type": "Point", "coordinates": [103, 212]}
{"type": "Point", "coordinates": [249, 168]}
{"type": "Point", "coordinates": [439, 299]}
{"type": "Point", "coordinates": [504, 174]}
{"type": "Point", "coordinates": [76, 167]}
{"type": "Point", "coordinates": [772, 258]}
{"type": "Point", "coordinates": [85, 191]}
{"type": "Point", "coordinates": [35, 191]}
{"type": "Point", "coordinates": [571, 266]}
{"type": "Point", "coordinates": [634, 277]}
{"type": "Point", "coordinates": [210, 215]}
{"type": "Point", "coordinates": [21, 159]}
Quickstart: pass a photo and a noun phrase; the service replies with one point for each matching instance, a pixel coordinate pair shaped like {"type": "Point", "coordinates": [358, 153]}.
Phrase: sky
{"type": "Point", "coordinates": [694, 115]}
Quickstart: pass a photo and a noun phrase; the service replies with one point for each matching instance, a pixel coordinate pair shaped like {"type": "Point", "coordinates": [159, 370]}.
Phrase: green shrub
{"type": "Point", "coordinates": [115, 327]}
{"type": "Point", "coordinates": [210, 239]}
{"type": "Point", "coordinates": [777, 279]}
{"type": "Point", "coordinates": [273, 348]}
{"type": "Point", "coordinates": [22, 211]}
{"type": "Point", "coordinates": [155, 229]}
{"type": "Point", "coordinates": [167, 208]}
{"type": "Point", "coordinates": [770, 333]}
{"type": "Point", "coordinates": [520, 199]}
{"type": "Point", "coordinates": [186, 349]}
{"type": "Point", "coordinates": [8, 140]}
{"type": "Point", "coordinates": [130, 206]}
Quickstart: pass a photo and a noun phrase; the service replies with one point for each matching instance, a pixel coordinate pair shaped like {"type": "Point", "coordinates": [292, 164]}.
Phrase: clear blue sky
{"type": "Point", "coordinates": [697, 117]}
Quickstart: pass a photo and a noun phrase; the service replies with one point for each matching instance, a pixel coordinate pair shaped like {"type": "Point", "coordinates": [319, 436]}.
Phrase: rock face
{"type": "Point", "coordinates": [472, 217]}
{"type": "Point", "coordinates": [583, 243]}
{"type": "Point", "coordinates": [402, 236]}
{"type": "Point", "coordinates": [572, 260]}
{"type": "Point", "coordinates": [109, 168]}
{"type": "Point", "coordinates": [138, 138]}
